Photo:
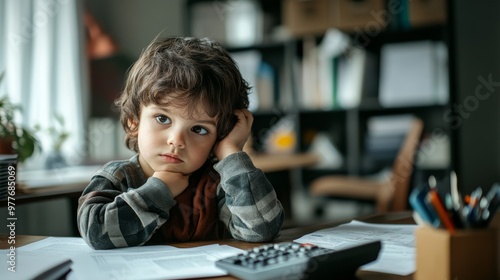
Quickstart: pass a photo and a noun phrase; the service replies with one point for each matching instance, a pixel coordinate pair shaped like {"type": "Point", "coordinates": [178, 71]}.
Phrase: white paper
{"type": "Point", "coordinates": [170, 264]}
{"type": "Point", "coordinates": [140, 262]}
{"type": "Point", "coordinates": [26, 265]}
{"type": "Point", "coordinates": [397, 255]}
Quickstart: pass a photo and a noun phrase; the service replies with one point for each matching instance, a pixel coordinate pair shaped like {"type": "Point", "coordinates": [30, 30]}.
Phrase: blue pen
{"type": "Point", "coordinates": [474, 216]}
{"type": "Point", "coordinates": [417, 202]}
{"type": "Point", "coordinates": [465, 214]}
{"type": "Point", "coordinates": [475, 196]}
{"type": "Point", "coordinates": [483, 206]}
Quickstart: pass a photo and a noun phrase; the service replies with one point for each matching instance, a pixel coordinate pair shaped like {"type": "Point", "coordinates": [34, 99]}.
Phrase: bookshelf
{"type": "Point", "coordinates": [346, 127]}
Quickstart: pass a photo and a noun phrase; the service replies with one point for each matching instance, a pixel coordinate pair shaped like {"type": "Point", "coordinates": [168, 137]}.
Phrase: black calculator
{"type": "Point", "coordinates": [292, 260]}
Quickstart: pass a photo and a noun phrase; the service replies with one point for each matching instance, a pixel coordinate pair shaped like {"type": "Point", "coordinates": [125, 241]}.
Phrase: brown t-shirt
{"type": "Point", "coordinates": [195, 216]}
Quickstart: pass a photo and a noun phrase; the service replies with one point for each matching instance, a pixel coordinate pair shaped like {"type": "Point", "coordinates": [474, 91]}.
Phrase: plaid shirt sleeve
{"type": "Point", "coordinates": [119, 208]}
{"type": "Point", "coordinates": [247, 203]}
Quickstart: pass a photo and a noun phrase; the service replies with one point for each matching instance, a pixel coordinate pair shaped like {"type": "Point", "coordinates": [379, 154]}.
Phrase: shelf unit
{"type": "Point", "coordinates": [346, 128]}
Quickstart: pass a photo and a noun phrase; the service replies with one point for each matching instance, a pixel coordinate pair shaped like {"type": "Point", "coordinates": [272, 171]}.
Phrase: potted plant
{"type": "Point", "coordinates": [55, 158]}
{"type": "Point", "coordinates": [15, 139]}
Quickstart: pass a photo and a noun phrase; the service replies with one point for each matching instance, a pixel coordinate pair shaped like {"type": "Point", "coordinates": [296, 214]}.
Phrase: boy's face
{"type": "Point", "coordinates": [171, 141]}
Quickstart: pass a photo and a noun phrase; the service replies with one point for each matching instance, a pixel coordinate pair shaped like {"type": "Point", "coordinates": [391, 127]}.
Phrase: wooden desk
{"type": "Point", "coordinates": [285, 235]}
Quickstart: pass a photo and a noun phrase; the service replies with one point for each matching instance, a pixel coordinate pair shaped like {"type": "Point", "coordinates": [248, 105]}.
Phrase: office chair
{"type": "Point", "coordinates": [389, 194]}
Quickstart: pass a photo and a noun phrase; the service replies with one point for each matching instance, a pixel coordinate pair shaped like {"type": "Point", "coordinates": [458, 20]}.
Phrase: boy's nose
{"type": "Point", "coordinates": [176, 139]}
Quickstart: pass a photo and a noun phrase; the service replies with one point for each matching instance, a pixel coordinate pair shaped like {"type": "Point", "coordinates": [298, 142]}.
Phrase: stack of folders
{"type": "Point", "coordinates": [455, 211]}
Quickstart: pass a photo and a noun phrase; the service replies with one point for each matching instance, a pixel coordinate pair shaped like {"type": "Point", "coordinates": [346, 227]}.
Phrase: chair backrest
{"type": "Point", "coordinates": [394, 196]}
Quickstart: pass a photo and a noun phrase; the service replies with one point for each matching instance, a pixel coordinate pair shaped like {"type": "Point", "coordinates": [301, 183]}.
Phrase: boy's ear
{"type": "Point", "coordinates": [132, 126]}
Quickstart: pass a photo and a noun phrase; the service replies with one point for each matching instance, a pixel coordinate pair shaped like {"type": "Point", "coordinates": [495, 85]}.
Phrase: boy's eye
{"type": "Point", "coordinates": [163, 119]}
{"type": "Point", "coordinates": [200, 130]}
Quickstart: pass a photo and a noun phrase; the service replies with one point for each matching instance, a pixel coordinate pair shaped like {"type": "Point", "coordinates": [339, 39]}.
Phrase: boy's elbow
{"type": "Point", "coordinates": [264, 233]}
{"type": "Point", "coordinates": [275, 226]}
{"type": "Point", "coordinates": [257, 238]}
{"type": "Point", "coordinates": [98, 243]}
{"type": "Point", "coordinates": [278, 224]}
{"type": "Point", "coordinates": [270, 236]}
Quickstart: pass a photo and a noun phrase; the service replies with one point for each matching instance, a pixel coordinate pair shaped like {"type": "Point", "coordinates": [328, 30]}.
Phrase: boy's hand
{"type": "Point", "coordinates": [237, 137]}
{"type": "Point", "coordinates": [176, 182]}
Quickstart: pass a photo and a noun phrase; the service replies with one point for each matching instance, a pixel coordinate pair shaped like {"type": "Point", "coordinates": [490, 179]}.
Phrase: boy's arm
{"type": "Point", "coordinates": [109, 216]}
{"type": "Point", "coordinates": [247, 201]}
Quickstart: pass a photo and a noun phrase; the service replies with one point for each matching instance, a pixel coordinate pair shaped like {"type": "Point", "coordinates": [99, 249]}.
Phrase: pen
{"type": "Point", "coordinates": [456, 202]}
{"type": "Point", "coordinates": [475, 197]}
{"type": "Point", "coordinates": [426, 206]}
{"type": "Point", "coordinates": [493, 198]}
{"type": "Point", "coordinates": [473, 216]}
{"type": "Point", "coordinates": [417, 201]}
{"type": "Point", "coordinates": [436, 221]}
{"type": "Point", "coordinates": [483, 206]}
{"type": "Point", "coordinates": [473, 213]}
{"type": "Point", "coordinates": [56, 272]}
{"type": "Point", "coordinates": [437, 203]}
{"type": "Point", "coordinates": [455, 194]}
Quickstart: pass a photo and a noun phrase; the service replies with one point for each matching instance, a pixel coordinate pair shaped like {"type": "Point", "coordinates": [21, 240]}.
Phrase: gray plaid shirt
{"type": "Point", "coordinates": [246, 201]}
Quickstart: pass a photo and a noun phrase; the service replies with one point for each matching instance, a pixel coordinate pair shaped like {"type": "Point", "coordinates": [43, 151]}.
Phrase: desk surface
{"type": "Point", "coordinates": [285, 235]}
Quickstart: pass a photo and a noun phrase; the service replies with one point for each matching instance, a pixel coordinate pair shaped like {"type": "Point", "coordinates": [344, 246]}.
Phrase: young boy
{"type": "Point", "coordinates": [184, 113]}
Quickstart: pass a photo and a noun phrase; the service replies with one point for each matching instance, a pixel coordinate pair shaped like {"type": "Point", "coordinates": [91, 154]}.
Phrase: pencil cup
{"type": "Point", "coordinates": [462, 255]}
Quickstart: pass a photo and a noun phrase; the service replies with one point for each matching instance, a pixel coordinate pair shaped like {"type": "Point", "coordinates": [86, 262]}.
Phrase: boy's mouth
{"type": "Point", "coordinates": [171, 158]}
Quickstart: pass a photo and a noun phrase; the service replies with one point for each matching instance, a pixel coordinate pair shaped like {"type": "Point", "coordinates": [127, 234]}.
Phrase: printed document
{"type": "Point", "coordinates": [397, 255]}
{"type": "Point", "coordinates": [141, 262]}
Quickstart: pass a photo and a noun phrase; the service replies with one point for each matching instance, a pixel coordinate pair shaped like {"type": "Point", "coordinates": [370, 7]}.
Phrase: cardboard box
{"type": "Point", "coordinates": [306, 17]}
{"type": "Point", "coordinates": [358, 15]}
{"type": "Point", "coordinates": [427, 12]}
{"type": "Point", "coordinates": [463, 255]}
{"type": "Point", "coordinates": [314, 17]}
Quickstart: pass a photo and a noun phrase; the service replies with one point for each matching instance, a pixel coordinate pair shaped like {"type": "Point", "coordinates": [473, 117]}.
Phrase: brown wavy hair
{"type": "Point", "coordinates": [183, 71]}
